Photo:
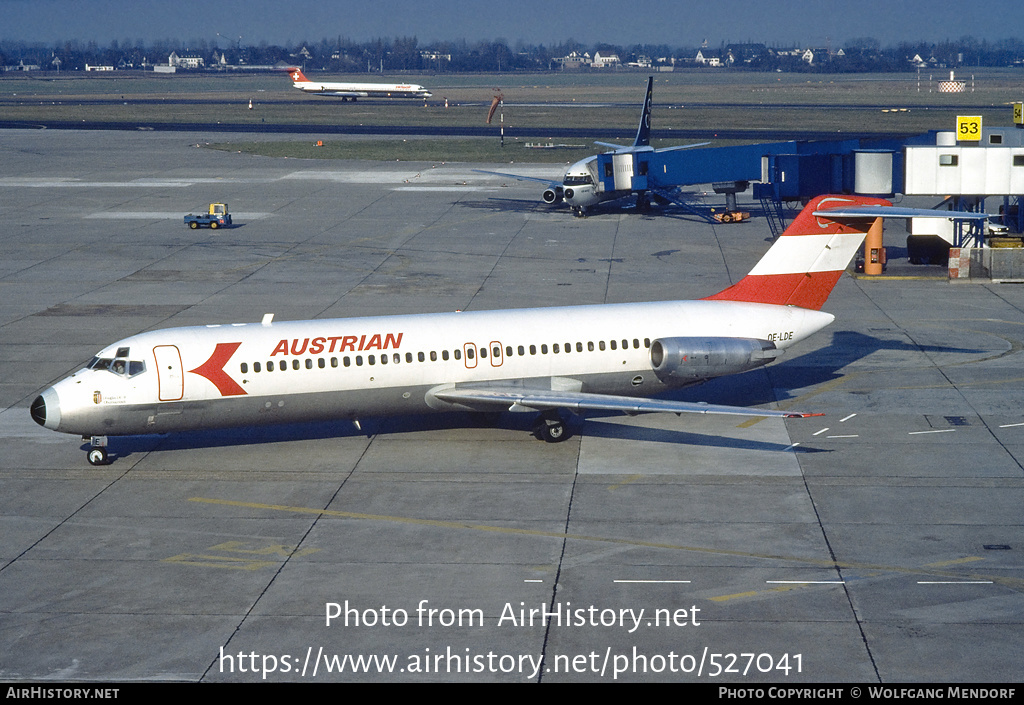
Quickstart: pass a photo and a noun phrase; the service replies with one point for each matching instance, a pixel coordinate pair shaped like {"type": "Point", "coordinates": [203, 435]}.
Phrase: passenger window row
{"type": "Point", "coordinates": [445, 355]}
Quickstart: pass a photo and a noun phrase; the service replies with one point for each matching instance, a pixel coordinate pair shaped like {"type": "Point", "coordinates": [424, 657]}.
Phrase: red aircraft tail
{"type": "Point", "coordinates": [297, 75]}
{"type": "Point", "coordinates": [805, 263]}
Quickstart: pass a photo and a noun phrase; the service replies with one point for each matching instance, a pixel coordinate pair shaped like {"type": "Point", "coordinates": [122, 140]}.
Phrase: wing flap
{"type": "Point", "coordinates": [540, 400]}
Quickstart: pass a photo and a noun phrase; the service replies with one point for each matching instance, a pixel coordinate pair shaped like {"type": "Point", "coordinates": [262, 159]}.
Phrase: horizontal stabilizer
{"type": "Point", "coordinates": [893, 212]}
{"type": "Point", "coordinates": [519, 399]}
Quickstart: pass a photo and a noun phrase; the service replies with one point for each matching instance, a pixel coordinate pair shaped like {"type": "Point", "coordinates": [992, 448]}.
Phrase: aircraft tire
{"type": "Point", "coordinates": [550, 431]}
{"type": "Point", "coordinates": [98, 456]}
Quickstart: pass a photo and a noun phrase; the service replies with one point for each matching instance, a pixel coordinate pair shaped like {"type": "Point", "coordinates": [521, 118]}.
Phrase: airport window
{"type": "Point", "coordinates": [244, 368]}
{"type": "Point", "coordinates": [948, 160]}
{"type": "Point", "coordinates": [995, 139]}
{"type": "Point", "coordinates": [608, 172]}
{"type": "Point", "coordinates": [433, 356]}
{"type": "Point", "coordinates": [270, 366]}
{"type": "Point", "coordinates": [255, 367]}
{"type": "Point", "coordinates": [420, 357]}
{"type": "Point", "coordinates": [642, 171]}
{"type": "Point", "coordinates": [1018, 159]}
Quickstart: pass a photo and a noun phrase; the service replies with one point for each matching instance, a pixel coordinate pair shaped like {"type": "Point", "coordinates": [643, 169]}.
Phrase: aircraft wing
{"type": "Point", "coordinates": [616, 147]}
{"type": "Point", "coordinates": [629, 148]}
{"type": "Point", "coordinates": [546, 182]}
{"type": "Point", "coordinates": [682, 146]}
{"type": "Point", "coordinates": [341, 94]}
{"type": "Point", "coordinates": [525, 399]}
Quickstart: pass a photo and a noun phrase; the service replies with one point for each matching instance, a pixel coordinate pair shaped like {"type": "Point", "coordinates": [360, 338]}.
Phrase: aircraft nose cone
{"type": "Point", "coordinates": [45, 409]}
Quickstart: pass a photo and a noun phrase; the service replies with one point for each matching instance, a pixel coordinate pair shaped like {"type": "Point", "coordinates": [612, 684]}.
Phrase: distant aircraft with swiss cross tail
{"type": "Point", "coordinates": [354, 91]}
{"type": "Point", "coordinates": [544, 361]}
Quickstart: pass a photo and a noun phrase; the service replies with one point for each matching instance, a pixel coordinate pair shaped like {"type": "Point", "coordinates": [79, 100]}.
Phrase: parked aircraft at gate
{"type": "Point", "coordinates": [354, 91]}
{"type": "Point", "coordinates": [608, 357]}
{"type": "Point", "coordinates": [617, 174]}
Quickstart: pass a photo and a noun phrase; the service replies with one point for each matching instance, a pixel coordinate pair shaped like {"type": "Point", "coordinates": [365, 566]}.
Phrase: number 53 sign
{"type": "Point", "coordinates": [968, 128]}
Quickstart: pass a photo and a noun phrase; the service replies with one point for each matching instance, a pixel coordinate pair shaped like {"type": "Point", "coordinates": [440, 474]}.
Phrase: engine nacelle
{"type": "Point", "coordinates": [681, 360]}
{"type": "Point", "coordinates": [552, 195]}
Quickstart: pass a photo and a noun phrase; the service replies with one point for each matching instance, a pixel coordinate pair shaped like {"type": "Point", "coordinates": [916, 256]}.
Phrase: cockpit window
{"type": "Point", "coordinates": [119, 366]}
{"type": "Point", "coordinates": [577, 179]}
{"type": "Point", "coordinates": [99, 364]}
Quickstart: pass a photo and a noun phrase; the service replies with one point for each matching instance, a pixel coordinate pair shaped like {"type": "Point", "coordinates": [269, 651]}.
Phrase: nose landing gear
{"type": "Point", "coordinates": [97, 453]}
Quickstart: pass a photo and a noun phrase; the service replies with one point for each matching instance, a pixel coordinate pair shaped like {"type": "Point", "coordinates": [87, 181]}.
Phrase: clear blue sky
{"type": "Point", "coordinates": [623, 22]}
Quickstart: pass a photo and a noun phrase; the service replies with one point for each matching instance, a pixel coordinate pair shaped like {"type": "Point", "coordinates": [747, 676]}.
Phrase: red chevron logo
{"type": "Point", "coordinates": [213, 370]}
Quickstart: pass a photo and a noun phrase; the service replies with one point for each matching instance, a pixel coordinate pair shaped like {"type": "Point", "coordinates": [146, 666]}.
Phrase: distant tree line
{"type": "Point", "coordinates": [405, 54]}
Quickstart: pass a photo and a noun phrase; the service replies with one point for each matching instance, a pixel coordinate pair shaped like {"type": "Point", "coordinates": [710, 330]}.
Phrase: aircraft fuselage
{"type": "Point", "coordinates": [242, 374]}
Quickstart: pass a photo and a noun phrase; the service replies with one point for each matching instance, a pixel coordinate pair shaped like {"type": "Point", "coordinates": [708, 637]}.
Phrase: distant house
{"type": "Point", "coordinates": [574, 60]}
{"type": "Point", "coordinates": [186, 62]}
{"type": "Point", "coordinates": [707, 61]}
{"type": "Point", "coordinates": [604, 61]}
{"type": "Point", "coordinates": [22, 66]}
{"type": "Point", "coordinates": [435, 56]}
{"type": "Point", "coordinates": [93, 67]}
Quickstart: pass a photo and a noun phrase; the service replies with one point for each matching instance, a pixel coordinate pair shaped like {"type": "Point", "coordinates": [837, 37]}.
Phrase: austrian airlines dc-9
{"type": "Point", "coordinates": [608, 357]}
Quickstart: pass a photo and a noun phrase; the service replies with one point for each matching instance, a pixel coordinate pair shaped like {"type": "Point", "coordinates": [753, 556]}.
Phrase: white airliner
{"type": "Point", "coordinates": [540, 360]}
{"type": "Point", "coordinates": [627, 171]}
{"type": "Point", "coordinates": [357, 90]}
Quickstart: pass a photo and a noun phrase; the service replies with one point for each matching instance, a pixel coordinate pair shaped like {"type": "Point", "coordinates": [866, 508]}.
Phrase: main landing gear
{"type": "Point", "coordinates": [550, 427]}
{"type": "Point", "coordinates": [97, 453]}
